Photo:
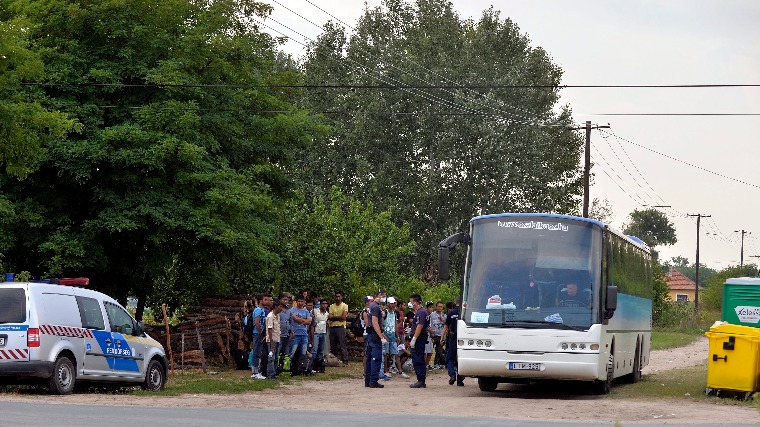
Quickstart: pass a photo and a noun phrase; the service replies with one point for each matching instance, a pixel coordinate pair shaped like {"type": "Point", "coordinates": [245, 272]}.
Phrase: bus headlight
{"type": "Point", "coordinates": [460, 343]}
{"type": "Point", "coordinates": [564, 346]}
{"type": "Point", "coordinates": [471, 342]}
{"type": "Point", "coordinates": [480, 343]}
{"type": "Point", "coordinates": [488, 343]}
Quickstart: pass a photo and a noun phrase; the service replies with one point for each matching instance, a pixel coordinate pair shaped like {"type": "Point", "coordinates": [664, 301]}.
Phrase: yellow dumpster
{"type": "Point", "coordinates": [733, 362]}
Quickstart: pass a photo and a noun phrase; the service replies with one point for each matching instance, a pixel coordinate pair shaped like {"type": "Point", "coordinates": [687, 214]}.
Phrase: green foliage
{"type": "Point", "coordinates": [712, 296]}
{"type": "Point", "coordinates": [168, 192]}
{"type": "Point", "coordinates": [341, 244]}
{"type": "Point", "coordinates": [437, 157]}
{"type": "Point", "coordinates": [27, 123]}
{"type": "Point", "coordinates": [652, 227]}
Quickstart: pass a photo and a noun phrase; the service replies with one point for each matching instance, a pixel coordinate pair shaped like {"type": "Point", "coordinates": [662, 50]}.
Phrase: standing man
{"type": "Point", "coordinates": [338, 312]}
{"type": "Point", "coordinates": [300, 320]}
{"type": "Point", "coordinates": [419, 338]}
{"type": "Point", "coordinates": [258, 337]}
{"type": "Point", "coordinates": [437, 319]}
{"type": "Point", "coordinates": [285, 332]}
{"type": "Point", "coordinates": [273, 338]}
{"type": "Point", "coordinates": [450, 335]}
{"type": "Point", "coordinates": [375, 339]}
{"type": "Point", "coordinates": [320, 331]}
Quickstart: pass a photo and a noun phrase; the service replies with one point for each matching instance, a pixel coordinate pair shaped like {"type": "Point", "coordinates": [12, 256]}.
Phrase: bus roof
{"type": "Point", "coordinates": [539, 215]}
{"type": "Point", "coordinates": [633, 239]}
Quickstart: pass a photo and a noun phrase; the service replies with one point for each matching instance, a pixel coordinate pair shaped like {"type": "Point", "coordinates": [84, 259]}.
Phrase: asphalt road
{"type": "Point", "coordinates": [41, 414]}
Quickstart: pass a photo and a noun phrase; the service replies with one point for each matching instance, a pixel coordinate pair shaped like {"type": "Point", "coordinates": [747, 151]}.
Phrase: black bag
{"type": "Point", "coordinates": [248, 325]}
{"type": "Point", "coordinates": [303, 366]}
{"type": "Point", "coordinates": [356, 325]}
{"type": "Point", "coordinates": [319, 365]}
{"type": "Point", "coordinates": [241, 358]}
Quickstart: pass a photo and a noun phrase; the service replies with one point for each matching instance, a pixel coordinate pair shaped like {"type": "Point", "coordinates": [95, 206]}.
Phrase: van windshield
{"type": "Point", "coordinates": [12, 305]}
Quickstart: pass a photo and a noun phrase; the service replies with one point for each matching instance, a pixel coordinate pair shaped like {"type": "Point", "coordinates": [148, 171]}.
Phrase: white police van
{"type": "Point", "coordinates": [62, 334]}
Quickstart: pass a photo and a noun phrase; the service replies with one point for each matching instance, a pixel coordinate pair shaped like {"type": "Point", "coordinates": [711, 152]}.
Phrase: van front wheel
{"type": "Point", "coordinates": [155, 379]}
{"type": "Point", "coordinates": [63, 378]}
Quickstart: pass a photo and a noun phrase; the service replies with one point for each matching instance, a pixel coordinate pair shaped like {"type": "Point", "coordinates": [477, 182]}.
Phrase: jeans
{"type": "Point", "coordinates": [451, 358]}
{"type": "Point", "coordinates": [299, 343]}
{"type": "Point", "coordinates": [272, 362]}
{"type": "Point", "coordinates": [255, 357]}
{"type": "Point", "coordinates": [374, 359]}
{"type": "Point", "coordinates": [418, 360]}
{"type": "Point", "coordinates": [338, 342]}
{"type": "Point", "coordinates": [319, 346]}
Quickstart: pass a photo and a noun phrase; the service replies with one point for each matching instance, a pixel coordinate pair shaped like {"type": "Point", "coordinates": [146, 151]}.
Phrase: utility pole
{"type": "Point", "coordinates": [741, 259]}
{"type": "Point", "coordinates": [696, 275]}
{"type": "Point", "coordinates": [587, 163]}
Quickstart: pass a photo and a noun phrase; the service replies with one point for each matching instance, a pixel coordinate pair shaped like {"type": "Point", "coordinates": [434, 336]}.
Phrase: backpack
{"type": "Point", "coordinates": [248, 325]}
{"type": "Point", "coordinates": [357, 328]}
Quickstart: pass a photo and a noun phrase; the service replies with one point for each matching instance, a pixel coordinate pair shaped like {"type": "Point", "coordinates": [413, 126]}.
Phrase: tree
{"type": "Point", "coordinates": [340, 244]}
{"type": "Point", "coordinates": [437, 156]}
{"type": "Point", "coordinates": [27, 124]}
{"type": "Point", "coordinates": [652, 227]}
{"type": "Point", "coordinates": [172, 189]}
{"type": "Point", "coordinates": [601, 210]}
{"type": "Point", "coordinates": [678, 262]}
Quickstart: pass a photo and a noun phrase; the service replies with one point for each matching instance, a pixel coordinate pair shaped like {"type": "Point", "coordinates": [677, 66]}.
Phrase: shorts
{"type": "Point", "coordinates": [390, 347]}
{"type": "Point", "coordinates": [429, 345]}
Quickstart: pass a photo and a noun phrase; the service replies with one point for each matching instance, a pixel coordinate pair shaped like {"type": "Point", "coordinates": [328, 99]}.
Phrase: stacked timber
{"type": "Point", "coordinates": [213, 333]}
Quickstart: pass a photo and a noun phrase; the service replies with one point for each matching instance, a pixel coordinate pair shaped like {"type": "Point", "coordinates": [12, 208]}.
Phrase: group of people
{"type": "Point", "coordinates": [392, 337]}
{"type": "Point", "coordinates": [281, 332]}
{"type": "Point", "coordinates": [424, 336]}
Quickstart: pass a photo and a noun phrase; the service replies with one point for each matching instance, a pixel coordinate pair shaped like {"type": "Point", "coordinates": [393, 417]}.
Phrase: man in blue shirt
{"type": "Point", "coordinates": [419, 338]}
{"type": "Point", "coordinates": [300, 319]}
{"type": "Point", "coordinates": [375, 339]}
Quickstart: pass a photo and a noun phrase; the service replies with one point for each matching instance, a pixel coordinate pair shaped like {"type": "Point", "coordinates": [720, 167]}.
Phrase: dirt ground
{"type": "Point", "coordinates": [508, 402]}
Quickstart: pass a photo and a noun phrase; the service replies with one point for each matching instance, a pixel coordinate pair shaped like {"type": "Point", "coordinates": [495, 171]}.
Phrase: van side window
{"type": "Point", "coordinates": [12, 305]}
{"type": "Point", "coordinates": [121, 321]}
{"type": "Point", "coordinates": [89, 311]}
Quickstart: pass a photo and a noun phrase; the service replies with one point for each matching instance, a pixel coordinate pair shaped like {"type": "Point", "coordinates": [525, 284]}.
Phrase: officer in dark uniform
{"type": "Point", "coordinates": [450, 337]}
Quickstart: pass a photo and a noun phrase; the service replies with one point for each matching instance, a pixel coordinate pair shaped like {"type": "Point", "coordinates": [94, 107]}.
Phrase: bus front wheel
{"type": "Point", "coordinates": [604, 386]}
{"type": "Point", "coordinates": [487, 384]}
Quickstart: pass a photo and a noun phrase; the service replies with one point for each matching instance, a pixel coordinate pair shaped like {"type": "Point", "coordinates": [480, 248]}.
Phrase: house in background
{"type": "Point", "coordinates": [680, 287]}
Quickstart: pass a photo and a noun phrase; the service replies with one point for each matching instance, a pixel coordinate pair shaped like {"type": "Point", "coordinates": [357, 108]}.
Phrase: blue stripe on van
{"type": "Point", "coordinates": [14, 327]}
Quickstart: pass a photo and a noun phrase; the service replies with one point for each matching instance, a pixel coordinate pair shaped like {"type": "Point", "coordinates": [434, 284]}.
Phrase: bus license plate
{"type": "Point", "coordinates": [521, 366]}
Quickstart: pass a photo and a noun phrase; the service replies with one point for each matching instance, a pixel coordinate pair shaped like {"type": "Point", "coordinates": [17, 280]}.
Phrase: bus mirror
{"type": "Point", "coordinates": [443, 263]}
{"type": "Point", "coordinates": [610, 303]}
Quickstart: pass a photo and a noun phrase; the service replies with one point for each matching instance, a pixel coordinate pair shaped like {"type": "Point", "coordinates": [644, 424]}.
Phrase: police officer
{"type": "Point", "coordinates": [375, 339]}
{"type": "Point", "coordinates": [450, 337]}
{"type": "Point", "coordinates": [419, 338]}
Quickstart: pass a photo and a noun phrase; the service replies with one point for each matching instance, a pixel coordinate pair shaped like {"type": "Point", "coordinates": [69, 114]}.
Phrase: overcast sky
{"type": "Point", "coordinates": [696, 164]}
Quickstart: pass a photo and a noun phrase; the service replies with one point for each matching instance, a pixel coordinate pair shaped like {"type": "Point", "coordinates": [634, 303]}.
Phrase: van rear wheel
{"type": "Point", "coordinates": [155, 378]}
{"type": "Point", "coordinates": [63, 378]}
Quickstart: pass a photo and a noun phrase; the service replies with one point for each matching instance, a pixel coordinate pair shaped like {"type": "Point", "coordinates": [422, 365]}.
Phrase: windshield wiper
{"type": "Point", "coordinates": [542, 322]}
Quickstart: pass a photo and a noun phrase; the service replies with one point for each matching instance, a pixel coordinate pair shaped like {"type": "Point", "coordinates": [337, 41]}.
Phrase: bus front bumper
{"type": "Point", "coordinates": [556, 366]}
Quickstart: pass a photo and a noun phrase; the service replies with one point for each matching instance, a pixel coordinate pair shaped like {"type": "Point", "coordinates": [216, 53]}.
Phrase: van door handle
{"type": "Point", "coordinates": [108, 341]}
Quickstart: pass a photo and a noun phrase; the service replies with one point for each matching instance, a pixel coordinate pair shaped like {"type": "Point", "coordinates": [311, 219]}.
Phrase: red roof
{"type": "Point", "coordinates": [677, 281]}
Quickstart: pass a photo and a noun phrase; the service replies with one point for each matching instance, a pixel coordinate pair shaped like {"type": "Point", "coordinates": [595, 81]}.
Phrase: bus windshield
{"type": "Point", "coordinates": [533, 272]}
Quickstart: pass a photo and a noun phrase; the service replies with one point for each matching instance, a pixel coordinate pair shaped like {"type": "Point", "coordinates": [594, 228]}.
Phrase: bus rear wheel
{"type": "Point", "coordinates": [635, 375]}
{"type": "Point", "coordinates": [487, 384]}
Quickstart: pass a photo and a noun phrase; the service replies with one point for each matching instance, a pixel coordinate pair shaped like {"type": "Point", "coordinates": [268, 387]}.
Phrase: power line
{"type": "Point", "coordinates": [687, 163]}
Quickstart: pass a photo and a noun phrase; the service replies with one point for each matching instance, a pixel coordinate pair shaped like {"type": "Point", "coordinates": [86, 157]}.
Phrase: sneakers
{"type": "Point", "coordinates": [429, 367]}
{"type": "Point", "coordinates": [452, 380]}
{"type": "Point", "coordinates": [404, 375]}
{"type": "Point", "coordinates": [393, 370]}
{"type": "Point", "coordinates": [376, 385]}
{"type": "Point", "coordinates": [437, 366]}
{"type": "Point", "coordinates": [389, 375]}
{"type": "Point", "coordinates": [385, 378]}
{"type": "Point", "coordinates": [258, 376]}
{"type": "Point", "coordinates": [418, 384]}
{"type": "Point", "coordinates": [460, 384]}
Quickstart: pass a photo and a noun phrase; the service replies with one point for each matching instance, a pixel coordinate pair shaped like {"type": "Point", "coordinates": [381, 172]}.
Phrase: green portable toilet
{"type": "Point", "coordinates": [741, 301]}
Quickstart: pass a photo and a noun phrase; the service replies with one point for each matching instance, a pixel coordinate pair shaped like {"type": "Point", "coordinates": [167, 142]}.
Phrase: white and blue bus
{"type": "Point", "coordinates": [551, 297]}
